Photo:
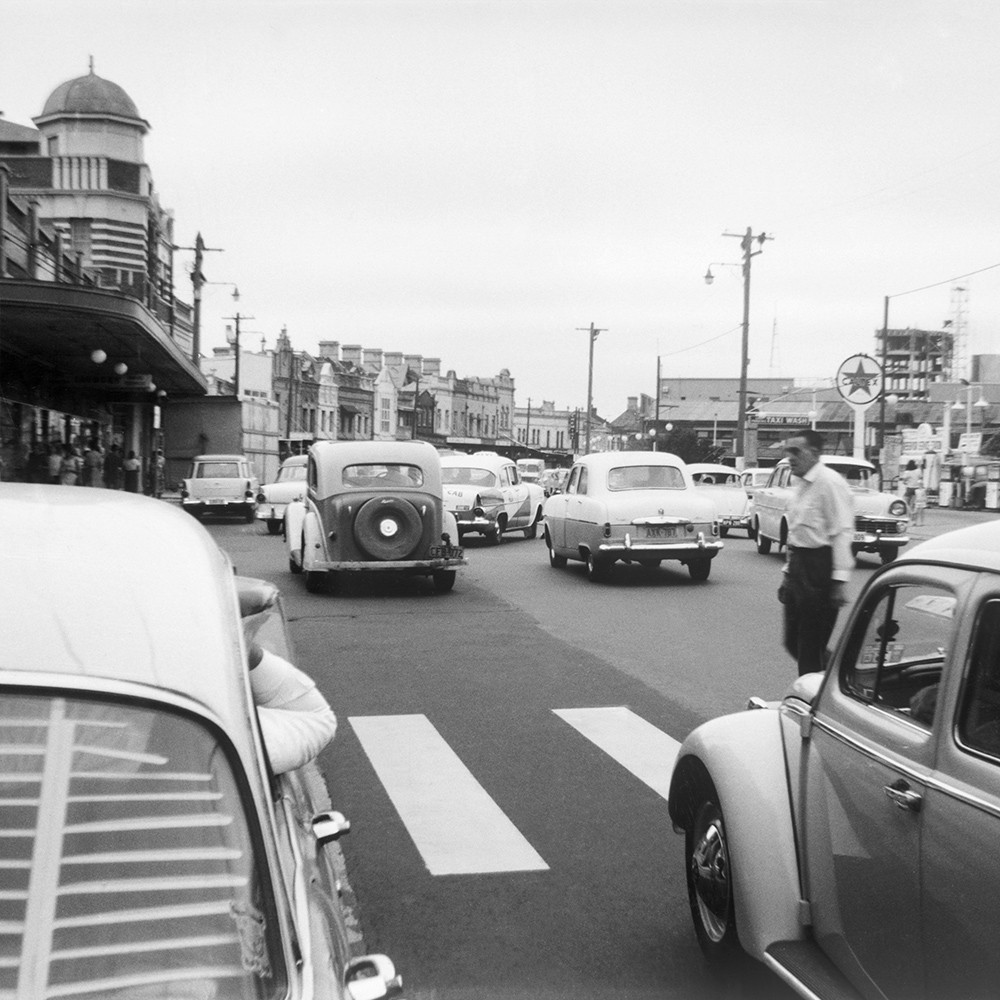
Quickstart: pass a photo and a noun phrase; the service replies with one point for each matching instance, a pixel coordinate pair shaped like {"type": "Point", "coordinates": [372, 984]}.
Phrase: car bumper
{"type": "Point", "coordinates": [698, 547]}
{"type": "Point", "coordinates": [873, 541]}
{"type": "Point", "coordinates": [740, 521]}
{"type": "Point", "coordinates": [404, 565]}
{"type": "Point", "coordinates": [220, 507]}
{"type": "Point", "coordinates": [468, 521]}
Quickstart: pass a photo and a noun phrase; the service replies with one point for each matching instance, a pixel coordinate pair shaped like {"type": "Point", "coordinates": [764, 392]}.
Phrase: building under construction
{"type": "Point", "coordinates": [913, 360]}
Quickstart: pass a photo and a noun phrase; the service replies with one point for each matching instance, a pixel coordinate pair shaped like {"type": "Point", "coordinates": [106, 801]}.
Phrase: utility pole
{"type": "Point", "coordinates": [594, 331]}
{"type": "Point", "coordinates": [747, 240]}
{"type": "Point", "coordinates": [527, 426]}
{"type": "Point", "coordinates": [197, 280]}
{"type": "Point", "coordinates": [656, 423]}
{"type": "Point", "coordinates": [236, 346]}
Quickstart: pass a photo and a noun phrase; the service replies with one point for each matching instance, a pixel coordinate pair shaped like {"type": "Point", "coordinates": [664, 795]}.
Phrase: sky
{"type": "Point", "coordinates": [481, 180]}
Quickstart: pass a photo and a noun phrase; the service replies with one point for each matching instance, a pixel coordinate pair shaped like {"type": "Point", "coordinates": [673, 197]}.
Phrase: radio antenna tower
{"type": "Point", "coordinates": [960, 366]}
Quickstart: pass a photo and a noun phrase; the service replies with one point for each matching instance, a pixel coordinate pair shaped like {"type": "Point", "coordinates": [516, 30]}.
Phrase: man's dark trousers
{"type": "Point", "coordinates": [809, 613]}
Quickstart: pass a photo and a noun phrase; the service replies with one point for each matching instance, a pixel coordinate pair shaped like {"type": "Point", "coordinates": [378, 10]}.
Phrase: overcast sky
{"type": "Point", "coordinates": [475, 180]}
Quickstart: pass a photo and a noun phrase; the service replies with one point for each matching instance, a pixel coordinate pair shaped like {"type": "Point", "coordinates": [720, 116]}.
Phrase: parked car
{"type": "Point", "coordinates": [723, 485]}
{"type": "Point", "coordinates": [372, 507]}
{"type": "Point", "coordinates": [846, 835]}
{"type": "Point", "coordinates": [147, 847]}
{"type": "Point", "coordinates": [221, 485]}
{"type": "Point", "coordinates": [274, 497]}
{"type": "Point", "coordinates": [487, 495]}
{"type": "Point", "coordinates": [881, 520]}
{"type": "Point", "coordinates": [634, 507]}
{"type": "Point", "coordinates": [553, 481]}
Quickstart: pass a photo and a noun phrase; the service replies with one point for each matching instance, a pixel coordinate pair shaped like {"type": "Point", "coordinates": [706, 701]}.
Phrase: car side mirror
{"type": "Point", "coordinates": [371, 977]}
{"type": "Point", "coordinates": [328, 826]}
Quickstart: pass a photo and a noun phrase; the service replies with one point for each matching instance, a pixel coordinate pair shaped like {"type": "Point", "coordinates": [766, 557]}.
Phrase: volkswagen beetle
{"type": "Point", "coordinates": [846, 835]}
{"type": "Point", "coordinates": [147, 848]}
{"type": "Point", "coordinates": [372, 507]}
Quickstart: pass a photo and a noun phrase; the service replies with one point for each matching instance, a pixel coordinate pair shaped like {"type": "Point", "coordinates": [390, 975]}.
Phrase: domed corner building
{"type": "Point", "coordinates": [86, 271]}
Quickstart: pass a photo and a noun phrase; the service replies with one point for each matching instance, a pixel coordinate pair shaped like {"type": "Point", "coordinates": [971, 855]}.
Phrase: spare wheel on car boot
{"type": "Point", "coordinates": [388, 528]}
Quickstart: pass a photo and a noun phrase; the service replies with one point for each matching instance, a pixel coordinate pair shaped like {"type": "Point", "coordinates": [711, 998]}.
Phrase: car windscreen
{"type": "Point", "coordinates": [129, 867]}
{"type": "Point", "coordinates": [645, 477]}
{"type": "Point", "coordinates": [855, 475]}
{"type": "Point", "coordinates": [378, 476]}
{"type": "Point", "coordinates": [217, 470]}
{"type": "Point", "coordinates": [468, 477]}
{"type": "Point", "coordinates": [291, 473]}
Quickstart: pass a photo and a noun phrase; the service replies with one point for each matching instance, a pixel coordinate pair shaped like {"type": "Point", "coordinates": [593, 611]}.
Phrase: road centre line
{"type": "Point", "coordinates": [641, 748]}
{"type": "Point", "coordinates": [454, 823]}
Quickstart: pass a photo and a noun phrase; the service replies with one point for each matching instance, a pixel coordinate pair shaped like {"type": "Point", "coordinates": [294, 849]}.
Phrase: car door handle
{"type": "Point", "coordinates": [899, 792]}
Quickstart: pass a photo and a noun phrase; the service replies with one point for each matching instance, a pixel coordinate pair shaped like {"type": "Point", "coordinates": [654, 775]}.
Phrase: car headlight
{"type": "Point", "coordinates": [898, 508]}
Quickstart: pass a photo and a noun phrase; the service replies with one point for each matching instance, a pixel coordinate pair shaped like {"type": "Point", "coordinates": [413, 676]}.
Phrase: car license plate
{"type": "Point", "coordinates": [860, 536]}
{"type": "Point", "coordinates": [445, 552]}
{"type": "Point", "coordinates": [213, 500]}
{"type": "Point", "coordinates": [660, 531]}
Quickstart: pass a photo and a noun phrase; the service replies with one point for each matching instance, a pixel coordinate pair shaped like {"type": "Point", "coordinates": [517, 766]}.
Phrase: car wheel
{"type": "Point", "coordinates": [316, 581]}
{"type": "Point", "coordinates": [249, 517]}
{"type": "Point", "coordinates": [887, 555]}
{"type": "Point", "coordinates": [492, 536]}
{"type": "Point", "coordinates": [444, 580]}
{"type": "Point", "coordinates": [387, 528]}
{"type": "Point", "coordinates": [723, 532]}
{"type": "Point", "coordinates": [597, 569]}
{"type": "Point", "coordinates": [710, 881]}
{"type": "Point", "coordinates": [763, 544]}
{"type": "Point", "coordinates": [555, 561]}
{"type": "Point", "coordinates": [699, 569]}
{"type": "Point", "coordinates": [273, 527]}
{"type": "Point", "coordinates": [532, 530]}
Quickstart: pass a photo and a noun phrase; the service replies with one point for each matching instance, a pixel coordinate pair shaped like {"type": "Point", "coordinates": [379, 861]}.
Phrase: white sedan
{"type": "Point", "coordinates": [274, 497]}
{"type": "Point", "coordinates": [634, 507]}
{"type": "Point", "coordinates": [723, 485]}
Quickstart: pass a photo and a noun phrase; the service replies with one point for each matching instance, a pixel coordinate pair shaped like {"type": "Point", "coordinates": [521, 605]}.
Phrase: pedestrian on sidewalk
{"type": "Point", "coordinates": [133, 473]}
{"type": "Point", "coordinates": [820, 558]}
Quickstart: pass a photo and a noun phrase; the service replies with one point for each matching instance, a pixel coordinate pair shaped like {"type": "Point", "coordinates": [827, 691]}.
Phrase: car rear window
{"type": "Point", "coordinates": [645, 477]}
{"type": "Point", "coordinates": [468, 477]}
{"type": "Point", "coordinates": [378, 476]}
{"type": "Point", "coordinates": [217, 470]}
{"type": "Point", "coordinates": [291, 473]}
{"type": "Point", "coordinates": [128, 865]}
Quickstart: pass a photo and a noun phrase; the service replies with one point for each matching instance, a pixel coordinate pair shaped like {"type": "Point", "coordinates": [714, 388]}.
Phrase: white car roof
{"type": "Point", "coordinates": [478, 460]}
{"type": "Point", "coordinates": [603, 460]}
{"type": "Point", "coordinates": [726, 470]}
{"type": "Point", "coordinates": [102, 584]}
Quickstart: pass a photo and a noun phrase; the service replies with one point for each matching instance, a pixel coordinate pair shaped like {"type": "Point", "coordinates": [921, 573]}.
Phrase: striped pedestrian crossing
{"type": "Point", "coordinates": [454, 823]}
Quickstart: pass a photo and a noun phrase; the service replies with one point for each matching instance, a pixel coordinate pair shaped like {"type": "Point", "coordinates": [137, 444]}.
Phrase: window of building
{"type": "Point", "coordinates": [385, 418]}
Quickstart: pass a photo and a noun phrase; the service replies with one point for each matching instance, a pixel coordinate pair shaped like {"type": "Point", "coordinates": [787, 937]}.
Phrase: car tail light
{"type": "Point", "coordinates": [261, 498]}
{"type": "Point", "coordinates": [607, 530]}
{"type": "Point", "coordinates": [185, 494]}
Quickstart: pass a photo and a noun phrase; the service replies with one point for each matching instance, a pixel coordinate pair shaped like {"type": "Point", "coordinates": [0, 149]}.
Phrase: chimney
{"type": "Point", "coordinates": [373, 357]}
{"type": "Point", "coordinates": [432, 366]}
{"type": "Point", "coordinates": [351, 353]}
{"type": "Point", "coordinates": [330, 349]}
{"type": "Point", "coordinates": [394, 358]}
{"type": "Point", "coordinates": [633, 402]}
{"type": "Point", "coordinates": [414, 361]}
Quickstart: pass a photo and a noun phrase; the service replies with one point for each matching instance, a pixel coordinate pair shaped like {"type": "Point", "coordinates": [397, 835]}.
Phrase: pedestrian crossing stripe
{"type": "Point", "coordinates": [454, 823]}
{"type": "Point", "coordinates": [641, 748]}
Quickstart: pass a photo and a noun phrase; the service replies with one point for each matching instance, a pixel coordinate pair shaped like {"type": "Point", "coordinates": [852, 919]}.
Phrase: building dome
{"type": "Point", "coordinates": [90, 95]}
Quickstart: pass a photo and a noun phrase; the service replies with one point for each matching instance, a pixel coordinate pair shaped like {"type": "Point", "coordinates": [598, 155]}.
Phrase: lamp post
{"type": "Point", "coordinates": [594, 331]}
{"type": "Point", "coordinates": [981, 404]}
{"type": "Point", "coordinates": [236, 339]}
{"type": "Point", "coordinates": [747, 241]}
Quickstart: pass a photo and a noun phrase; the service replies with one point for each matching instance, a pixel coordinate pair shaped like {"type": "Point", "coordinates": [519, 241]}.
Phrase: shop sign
{"type": "Point", "coordinates": [916, 441]}
{"type": "Point", "coordinates": [784, 419]}
{"type": "Point", "coordinates": [124, 383]}
{"type": "Point", "coordinates": [970, 444]}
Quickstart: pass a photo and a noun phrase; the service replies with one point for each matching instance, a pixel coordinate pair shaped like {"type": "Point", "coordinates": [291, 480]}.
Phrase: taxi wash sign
{"type": "Point", "coordinates": [859, 382]}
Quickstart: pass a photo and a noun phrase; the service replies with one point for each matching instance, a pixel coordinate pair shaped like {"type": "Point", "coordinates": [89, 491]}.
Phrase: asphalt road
{"type": "Point", "coordinates": [503, 753]}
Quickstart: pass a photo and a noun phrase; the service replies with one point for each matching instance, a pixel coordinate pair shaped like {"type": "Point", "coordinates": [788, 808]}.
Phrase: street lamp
{"type": "Point", "coordinates": [980, 403]}
{"type": "Point", "coordinates": [747, 241]}
{"type": "Point", "coordinates": [594, 331]}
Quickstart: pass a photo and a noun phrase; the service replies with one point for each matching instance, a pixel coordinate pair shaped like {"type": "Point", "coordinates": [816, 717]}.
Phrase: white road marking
{"type": "Point", "coordinates": [648, 752]}
{"type": "Point", "coordinates": [457, 828]}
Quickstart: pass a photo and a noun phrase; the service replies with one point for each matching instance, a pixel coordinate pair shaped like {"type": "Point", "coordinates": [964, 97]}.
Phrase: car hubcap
{"type": "Point", "coordinates": [388, 527]}
{"type": "Point", "coordinates": [710, 872]}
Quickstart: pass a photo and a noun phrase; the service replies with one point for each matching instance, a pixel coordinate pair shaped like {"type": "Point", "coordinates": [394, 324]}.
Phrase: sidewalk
{"type": "Point", "coordinates": [938, 520]}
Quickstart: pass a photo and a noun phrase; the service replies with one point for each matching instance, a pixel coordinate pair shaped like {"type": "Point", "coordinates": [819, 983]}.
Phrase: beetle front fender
{"type": "Point", "coordinates": [742, 756]}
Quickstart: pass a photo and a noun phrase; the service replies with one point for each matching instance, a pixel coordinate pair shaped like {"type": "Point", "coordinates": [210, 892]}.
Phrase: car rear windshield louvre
{"type": "Point", "coordinates": [125, 861]}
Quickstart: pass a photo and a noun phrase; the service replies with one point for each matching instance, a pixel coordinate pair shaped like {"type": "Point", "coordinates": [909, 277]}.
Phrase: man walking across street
{"type": "Point", "coordinates": [819, 561]}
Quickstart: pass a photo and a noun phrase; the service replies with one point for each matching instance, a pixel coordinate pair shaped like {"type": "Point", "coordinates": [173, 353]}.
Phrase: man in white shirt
{"type": "Point", "coordinates": [820, 559]}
